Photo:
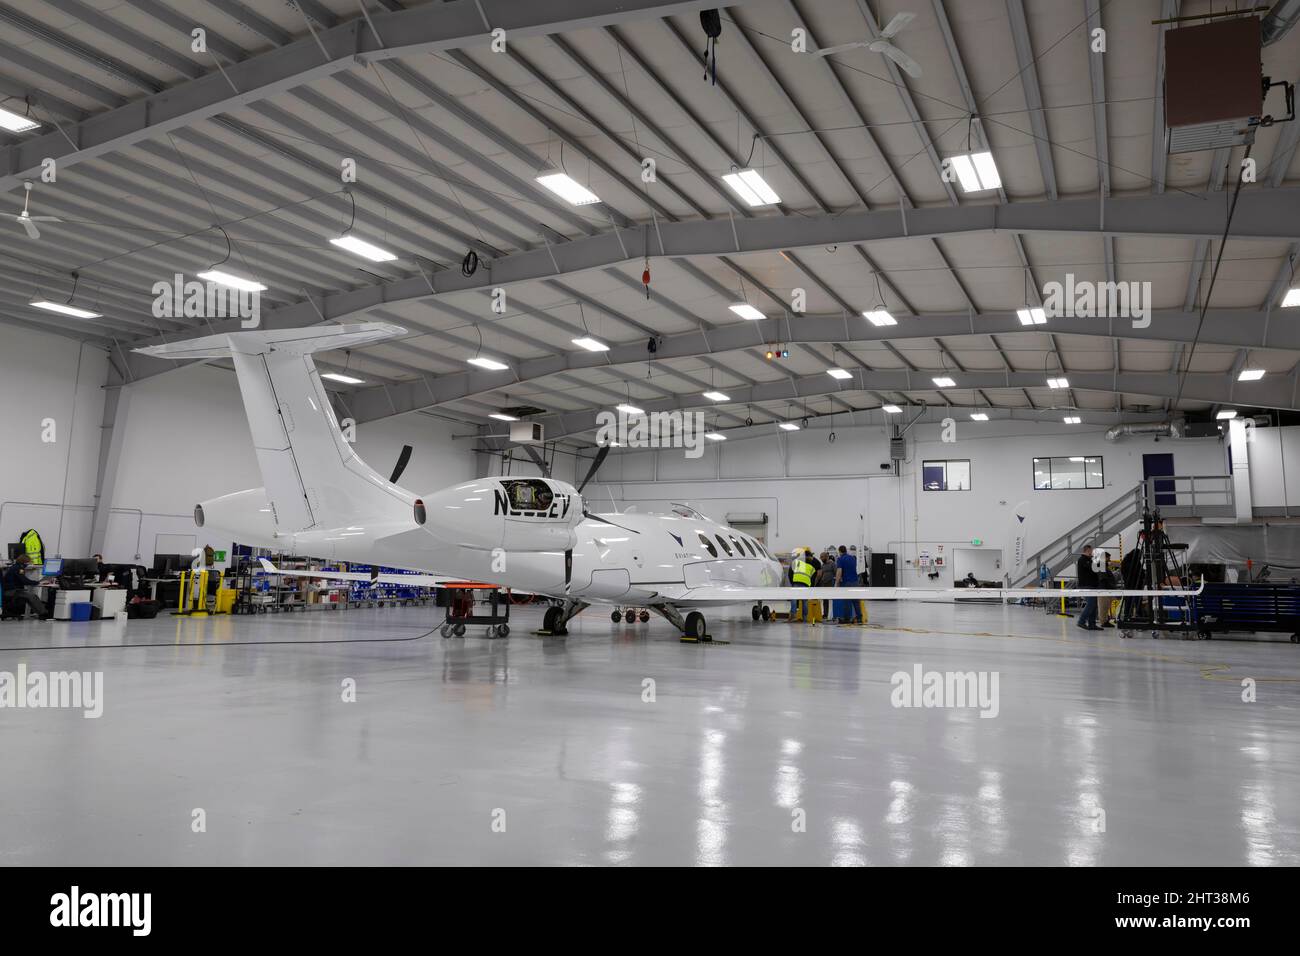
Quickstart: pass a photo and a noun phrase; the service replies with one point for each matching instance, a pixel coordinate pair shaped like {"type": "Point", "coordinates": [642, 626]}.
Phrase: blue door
{"type": "Point", "coordinates": [1154, 466]}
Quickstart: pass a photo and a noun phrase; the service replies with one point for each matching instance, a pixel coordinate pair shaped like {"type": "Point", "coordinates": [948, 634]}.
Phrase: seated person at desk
{"type": "Point", "coordinates": [17, 588]}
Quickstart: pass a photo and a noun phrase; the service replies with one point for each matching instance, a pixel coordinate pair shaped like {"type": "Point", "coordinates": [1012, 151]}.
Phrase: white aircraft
{"type": "Point", "coordinates": [534, 535]}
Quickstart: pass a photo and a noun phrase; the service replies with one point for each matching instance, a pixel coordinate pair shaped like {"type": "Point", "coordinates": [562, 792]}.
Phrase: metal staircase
{"type": "Point", "coordinates": [1180, 496]}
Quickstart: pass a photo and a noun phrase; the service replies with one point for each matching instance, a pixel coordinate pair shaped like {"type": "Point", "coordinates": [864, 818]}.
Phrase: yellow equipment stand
{"type": "Point", "coordinates": [194, 594]}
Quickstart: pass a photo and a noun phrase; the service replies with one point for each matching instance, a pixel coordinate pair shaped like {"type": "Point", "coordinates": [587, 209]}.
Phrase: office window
{"type": "Point", "coordinates": [946, 475]}
{"type": "Point", "coordinates": [1077, 471]}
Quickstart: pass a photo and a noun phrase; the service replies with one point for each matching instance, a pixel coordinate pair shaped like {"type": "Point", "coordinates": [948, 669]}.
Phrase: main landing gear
{"type": "Point", "coordinates": [761, 611]}
{"type": "Point", "coordinates": [693, 627]}
{"type": "Point", "coordinates": [557, 617]}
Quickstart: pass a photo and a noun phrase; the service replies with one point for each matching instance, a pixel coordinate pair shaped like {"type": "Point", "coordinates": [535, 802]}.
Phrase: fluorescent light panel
{"type": "Point", "coordinates": [591, 345]}
{"type": "Point", "coordinates": [345, 379]}
{"type": "Point", "coordinates": [978, 417]}
{"type": "Point", "coordinates": [1226, 414]}
{"type": "Point", "coordinates": [234, 281]}
{"type": "Point", "coordinates": [716, 397]}
{"type": "Point", "coordinates": [747, 311]}
{"type": "Point", "coordinates": [1072, 419]}
{"type": "Point", "coordinates": [750, 186]}
{"type": "Point", "coordinates": [1058, 383]}
{"type": "Point", "coordinates": [1291, 299]}
{"type": "Point", "coordinates": [630, 409]}
{"type": "Point", "coordinates": [839, 373]}
{"type": "Point", "coordinates": [715, 436]}
{"type": "Point", "coordinates": [879, 317]}
{"type": "Point", "coordinates": [65, 309]}
{"type": "Point", "coordinates": [568, 189]}
{"type": "Point", "coordinates": [367, 250]}
{"type": "Point", "coordinates": [490, 364]}
{"type": "Point", "coordinates": [976, 172]}
{"type": "Point", "coordinates": [1250, 375]}
{"type": "Point", "coordinates": [890, 409]}
{"type": "Point", "coordinates": [789, 426]}
{"type": "Point", "coordinates": [944, 382]}
{"type": "Point", "coordinates": [502, 417]}
{"type": "Point", "coordinates": [16, 122]}
{"type": "Point", "coordinates": [1031, 316]}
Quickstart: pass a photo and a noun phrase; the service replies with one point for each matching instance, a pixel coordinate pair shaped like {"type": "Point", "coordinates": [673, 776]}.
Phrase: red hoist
{"type": "Point", "coordinates": [645, 277]}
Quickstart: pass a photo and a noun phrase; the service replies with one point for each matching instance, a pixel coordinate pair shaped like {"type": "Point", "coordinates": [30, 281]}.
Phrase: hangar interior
{"type": "Point", "coordinates": [838, 272]}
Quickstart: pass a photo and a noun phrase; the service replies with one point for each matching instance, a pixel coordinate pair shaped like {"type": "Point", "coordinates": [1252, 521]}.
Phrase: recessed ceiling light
{"type": "Point", "coordinates": [1033, 316]}
{"type": "Point", "coordinates": [345, 379]}
{"type": "Point", "coordinates": [1291, 299]}
{"type": "Point", "coordinates": [16, 122]}
{"type": "Point", "coordinates": [839, 373]}
{"type": "Point", "coordinates": [716, 397]}
{"type": "Point", "coordinates": [490, 364]}
{"type": "Point", "coordinates": [879, 317]}
{"type": "Point", "coordinates": [890, 409]}
{"type": "Point", "coordinates": [502, 417]}
{"type": "Point", "coordinates": [568, 189]}
{"type": "Point", "coordinates": [630, 409]}
{"type": "Point", "coordinates": [715, 436]}
{"type": "Point", "coordinates": [1072, 419]}
{"type": "Point", "coordinates": [943, 381]}
{"type": "Point", "coordinates": [978, 417]}
{"type": "Point", "coordinates": [234, 281]}
{"type": "Point", "coordinates": [360, 247]}
{"type": "Point", "coordinates": [789, 426]}
{"type": "Point", "coordinates": [751, 187]}
{"type": "Point", "coordinates": [591, 345]}
{"type": "Point", "coordinates": [1226, 414]}
{"type": "Point", "coordinates": [65, 309]}
{"type": "Point", "coordinates": [976, 172]}
{"type": "Point", "coordinates": [1250, 375]}
{"type": "Point", "coordinates": [1058, 383]}
{"type": "Point", "coordinates": [747, 311]}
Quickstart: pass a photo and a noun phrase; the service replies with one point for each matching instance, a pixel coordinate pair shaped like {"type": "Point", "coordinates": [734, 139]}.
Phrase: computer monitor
{"type": "Point", "coordinates": [52, 568]}
{"type": "Point", "coordinates": [79, 568]}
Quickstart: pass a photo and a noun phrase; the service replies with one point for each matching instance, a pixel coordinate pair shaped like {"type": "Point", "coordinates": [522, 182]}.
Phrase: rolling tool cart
{"type": "Point", "coordinates": [1249, 607]}
{"type": "Point", "coordinates": [459, 602]}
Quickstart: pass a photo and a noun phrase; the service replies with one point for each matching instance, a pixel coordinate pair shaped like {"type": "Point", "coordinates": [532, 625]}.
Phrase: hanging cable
{"type": "Point", "coordinates": [469, 265]}
{"type": "Point", "coordinates": [1209, 291]}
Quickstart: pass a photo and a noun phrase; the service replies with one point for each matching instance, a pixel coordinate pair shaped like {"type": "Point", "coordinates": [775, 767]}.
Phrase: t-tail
{"type": "Point", "coordinates": [312, 476]}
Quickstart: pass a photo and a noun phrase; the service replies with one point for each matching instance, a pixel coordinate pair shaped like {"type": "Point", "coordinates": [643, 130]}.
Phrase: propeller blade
{"type": "Point", "coordinates": [604, 520]}
{"type": "Point", "coordinates": [900, 20]}
{"type": "Point", "coordinates": [402, 461]}
{"type": "Point", "coordinates": [44, 218]}
{"type": "Point", "coordinates": [843, 47]}
{"type": "Point", "coordinates": [902, 59]}
{"type": "Point", "coordinates": [538, 460]}
{"type": "Point", "coordinates": [591, 472]}
{"type": "Point", "coordinates": [32, 231]}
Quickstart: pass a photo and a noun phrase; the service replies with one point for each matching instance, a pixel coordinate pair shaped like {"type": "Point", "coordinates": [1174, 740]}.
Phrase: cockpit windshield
{"type": "Point", "coordinates": [686, 511]}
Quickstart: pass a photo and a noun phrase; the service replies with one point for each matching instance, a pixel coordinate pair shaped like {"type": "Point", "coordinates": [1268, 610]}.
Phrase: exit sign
{"type": "Point", "coordinates": [977, 541]}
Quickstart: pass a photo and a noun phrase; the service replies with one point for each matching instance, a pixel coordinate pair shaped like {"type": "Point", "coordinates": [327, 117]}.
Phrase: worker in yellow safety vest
{"type": "Point", "coordinates": [801, 576]}
{"type": "Point", "coordinates": [33, 546]}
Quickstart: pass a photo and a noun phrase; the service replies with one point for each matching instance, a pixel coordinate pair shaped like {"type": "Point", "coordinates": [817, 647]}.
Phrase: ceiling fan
{"type": "Point", "coordinates": [26, 219]}
{"type": "Point", "coordinates": [882, 45]}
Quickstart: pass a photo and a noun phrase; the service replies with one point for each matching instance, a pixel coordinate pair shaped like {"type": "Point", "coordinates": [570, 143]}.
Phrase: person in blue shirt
{"type": "Point", "coordinates": [846, 576]}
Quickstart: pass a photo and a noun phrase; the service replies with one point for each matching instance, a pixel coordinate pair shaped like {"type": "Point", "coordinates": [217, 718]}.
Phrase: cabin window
{"type": "Point", "coordinates": [708, 545]}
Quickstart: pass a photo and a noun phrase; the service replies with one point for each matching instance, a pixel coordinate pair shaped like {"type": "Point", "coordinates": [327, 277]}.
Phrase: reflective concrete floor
{"type": "Point", "coordinates": [782, 747]}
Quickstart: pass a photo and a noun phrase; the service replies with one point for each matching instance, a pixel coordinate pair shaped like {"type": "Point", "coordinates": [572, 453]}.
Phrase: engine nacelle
{"type": "Point", "coordinates": [516, 514]}
{"type": "Point", "coordinates": [245, 515]}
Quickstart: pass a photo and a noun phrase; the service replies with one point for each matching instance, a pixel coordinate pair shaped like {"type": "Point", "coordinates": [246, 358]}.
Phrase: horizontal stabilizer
{"type": "Point", "coordinates": [318, 338]}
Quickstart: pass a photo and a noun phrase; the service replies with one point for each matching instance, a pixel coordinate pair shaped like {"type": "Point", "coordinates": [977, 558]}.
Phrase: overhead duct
{"type": "Point", "coordinates": [1170, 429]}
{"type": "Point", "coordinates": [1278, 22]}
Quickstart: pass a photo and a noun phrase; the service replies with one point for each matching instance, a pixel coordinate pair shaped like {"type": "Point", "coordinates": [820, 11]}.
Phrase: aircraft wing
{"type": "Point", "coordinates": [735, 594]}
{"type": "Point", "coordinates": [409, 580]}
